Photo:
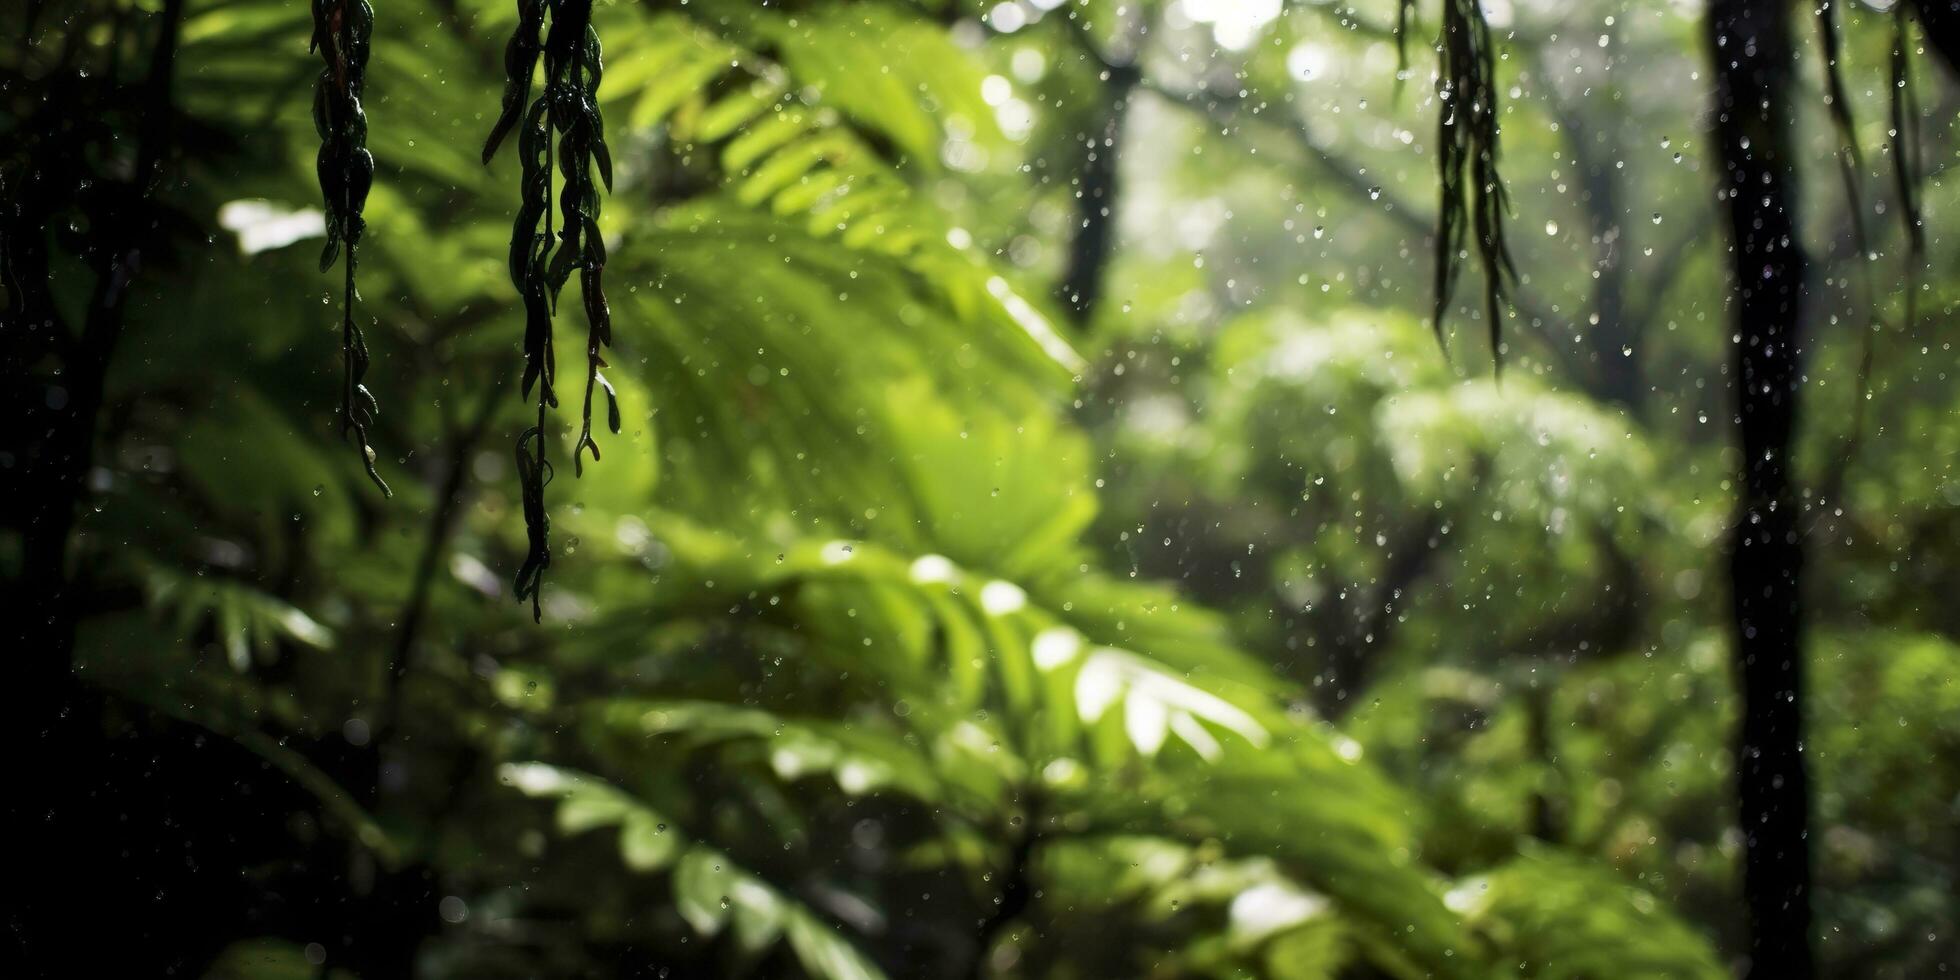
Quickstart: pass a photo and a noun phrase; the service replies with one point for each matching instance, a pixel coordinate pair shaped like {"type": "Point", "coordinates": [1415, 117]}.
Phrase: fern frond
{"type": "Point", "coordinates": [710, 890]}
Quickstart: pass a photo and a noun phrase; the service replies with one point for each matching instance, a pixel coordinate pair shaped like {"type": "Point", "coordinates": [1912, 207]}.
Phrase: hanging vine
{"type": "Point", "coordinates": [341, 29]}
{"type": "Point", "coordinates": [1473, 203]}
{"type": "Point", "coordinates": [539, 266]}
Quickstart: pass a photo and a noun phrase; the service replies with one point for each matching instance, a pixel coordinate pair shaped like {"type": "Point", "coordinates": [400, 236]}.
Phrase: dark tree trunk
{"type": "Point", "coordinates": [1940, 21]}
{"type": "Point", "coordinates": [1754, 104]}
{"type": "Point", "coordinates": [76, 844]}
{"type": "Point", "coordinates": [1606, 372]}
{"type": "Point", "coordinates": [1095, 227]}
{"type": "Point", "coordinates": [158, 838]}
{"type": "Point", "coordinates": [1546, 819]}
{"type": "Point", "coordinates": [122, 817]}
{"type": "Point", "coordinates": [1620, 378]}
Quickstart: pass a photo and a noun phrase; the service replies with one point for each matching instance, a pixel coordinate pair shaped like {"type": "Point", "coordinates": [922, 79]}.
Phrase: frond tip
{"type": "Point", "coordinates": [533, 473]}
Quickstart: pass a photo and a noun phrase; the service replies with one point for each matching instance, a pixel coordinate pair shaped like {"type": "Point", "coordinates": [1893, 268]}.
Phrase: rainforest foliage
{"type": "Point", "coordinates": [1061, 512]}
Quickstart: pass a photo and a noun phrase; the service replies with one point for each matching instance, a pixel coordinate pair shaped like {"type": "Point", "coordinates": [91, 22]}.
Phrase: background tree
{"type": "Point", "coordinates": [1754, 118]}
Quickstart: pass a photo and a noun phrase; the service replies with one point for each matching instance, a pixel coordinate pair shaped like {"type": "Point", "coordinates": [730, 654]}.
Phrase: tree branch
{"type": "Point", "coordinates": [1016, 890]}
{"type": "Point", "coordinates": [442, 525]}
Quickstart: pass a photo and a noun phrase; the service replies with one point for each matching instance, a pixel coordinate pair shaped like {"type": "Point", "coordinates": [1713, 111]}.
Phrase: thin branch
{"type": "Point", "coordinates": [1360, 632]}
{"type": "Point", "coordinates": [1668, 267]}
{"type": "Point", "coordinates": [1016, 889]}
{"type": "Point", "coordinates": [442, 525]}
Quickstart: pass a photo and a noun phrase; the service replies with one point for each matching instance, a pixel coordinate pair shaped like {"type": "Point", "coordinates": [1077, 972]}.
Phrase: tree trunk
{"type": "Point", "coordinates": [1095, 209]}
{"type": "Point", "coordinates": [161, 838]}
{"type": "Point", "coordinates": [1751, 46]}
{"type": "Point", "coordinates": [1620, 377]}
{"type": "Point", "coordinates": [1940, 21]}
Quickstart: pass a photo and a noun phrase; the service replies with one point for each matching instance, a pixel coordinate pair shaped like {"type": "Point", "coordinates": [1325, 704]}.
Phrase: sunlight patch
{"type": "Point", "coordinates": [932, 569]}
{"type": "Point", "coordinates": [1269, 908]}
{"type": "Point", "coordinates": [262, 226]}
{"type": "Point", "coordinates": [1037, 326]}
{"type": "Point", "coordinates": [1000, 598]}
{"type": "Point", "coordinates": [1055, 647]}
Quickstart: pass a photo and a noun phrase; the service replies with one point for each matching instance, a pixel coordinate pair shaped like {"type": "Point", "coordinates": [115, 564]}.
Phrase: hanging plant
{"type": "Point", "coordinates": [544, 253]}
{"type": "Point", "coordinates": [341, 29]}
{"type": "Point", "coordinates": [1473, 202]}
